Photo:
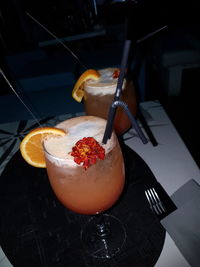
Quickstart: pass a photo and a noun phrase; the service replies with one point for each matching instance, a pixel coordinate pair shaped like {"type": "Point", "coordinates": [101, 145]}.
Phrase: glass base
{"type": "Point", "coordinates": [103, 236]}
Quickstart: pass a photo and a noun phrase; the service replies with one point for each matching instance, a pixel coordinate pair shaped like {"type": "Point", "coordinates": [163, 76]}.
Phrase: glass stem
{"type": "Point", "coordinates": [102, 226]}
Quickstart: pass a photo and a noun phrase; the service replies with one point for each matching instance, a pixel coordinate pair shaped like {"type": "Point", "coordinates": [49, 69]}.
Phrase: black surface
{"type": "Point", "coordinates": [36, 230]}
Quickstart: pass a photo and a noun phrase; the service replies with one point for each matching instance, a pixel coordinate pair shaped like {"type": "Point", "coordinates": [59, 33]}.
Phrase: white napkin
{"type": "Point", "coordinates": [183, 225]}
{"type": "Point", "coordinates": [185, 193]}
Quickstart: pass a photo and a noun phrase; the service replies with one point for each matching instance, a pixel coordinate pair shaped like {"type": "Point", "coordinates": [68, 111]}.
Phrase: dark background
{"type": "Point", "coordinates": [20, 40]}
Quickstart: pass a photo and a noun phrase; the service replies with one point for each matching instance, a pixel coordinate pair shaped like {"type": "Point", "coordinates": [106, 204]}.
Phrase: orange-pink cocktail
{"type": "Point", "coordinates": [91, 190]}
{"type": "Point", "coordinates": [99, 95]}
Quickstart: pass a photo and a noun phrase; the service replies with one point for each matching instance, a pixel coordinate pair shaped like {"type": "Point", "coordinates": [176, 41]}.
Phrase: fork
{"type": "Point", "coordinates": [154, 201]}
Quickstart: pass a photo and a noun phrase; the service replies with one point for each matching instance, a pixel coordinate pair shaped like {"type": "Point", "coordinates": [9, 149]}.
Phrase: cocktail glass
{"type": "Point", "coordinates": [89, 191]}
{"type": "Point", "coordinates": [99, 95]}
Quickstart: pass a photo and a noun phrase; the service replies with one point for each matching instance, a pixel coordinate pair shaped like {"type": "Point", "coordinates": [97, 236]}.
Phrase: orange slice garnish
{"type": "Point", "coordinates": [78, 90]}
{"type": "Point", "coordinates": [31, 146]}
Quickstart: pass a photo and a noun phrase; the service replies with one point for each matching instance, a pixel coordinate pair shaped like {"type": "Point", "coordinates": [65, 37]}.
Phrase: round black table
{"type": "Point", "coordinates": [37, 230]}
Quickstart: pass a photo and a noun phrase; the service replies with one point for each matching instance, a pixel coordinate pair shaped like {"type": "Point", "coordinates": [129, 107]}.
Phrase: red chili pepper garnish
{"type": "Point", "coordinates": [116, 74]}
{"type": "Point", "coordinates": [86, 152]}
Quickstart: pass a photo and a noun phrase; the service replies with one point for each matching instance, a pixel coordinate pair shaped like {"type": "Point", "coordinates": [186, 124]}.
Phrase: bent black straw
{"type": "Point", "coordinates": [131, 118]}
{"type": "Point", "coordinates": [112, 111]}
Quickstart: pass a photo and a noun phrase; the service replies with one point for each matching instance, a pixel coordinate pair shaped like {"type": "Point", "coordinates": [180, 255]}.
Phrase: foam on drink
{"type": "Point", "coordinates": [84, 191]}
{"type": "Point", "coordinates": [105, 85]}
{"type": "Point", "coordinates": [76, 129]}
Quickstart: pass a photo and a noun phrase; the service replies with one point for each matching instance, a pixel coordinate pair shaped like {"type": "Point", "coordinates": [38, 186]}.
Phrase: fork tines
{"type": "Point", "coordinates": [154, 201]}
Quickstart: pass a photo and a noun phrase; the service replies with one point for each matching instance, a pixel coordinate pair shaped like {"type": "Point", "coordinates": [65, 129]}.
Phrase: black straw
{"type": "Point", "coordinates": [134, 123]}
{"type": "Point", "coordinates": [123, 66]}
{"type": "Point", "coordinates": [117, 102]}
{"type": "Point", "coordinates": [112, 111]}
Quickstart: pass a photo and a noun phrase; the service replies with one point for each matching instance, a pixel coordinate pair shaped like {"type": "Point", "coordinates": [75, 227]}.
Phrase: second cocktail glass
{"type": "Point", "coordinates": [92, 189]}
{"type": "Point", "coordinates": [99, 95]}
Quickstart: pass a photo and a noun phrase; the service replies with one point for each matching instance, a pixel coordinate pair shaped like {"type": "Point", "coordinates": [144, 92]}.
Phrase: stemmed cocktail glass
{"type": "Point", "coordinates": [90, 190]}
